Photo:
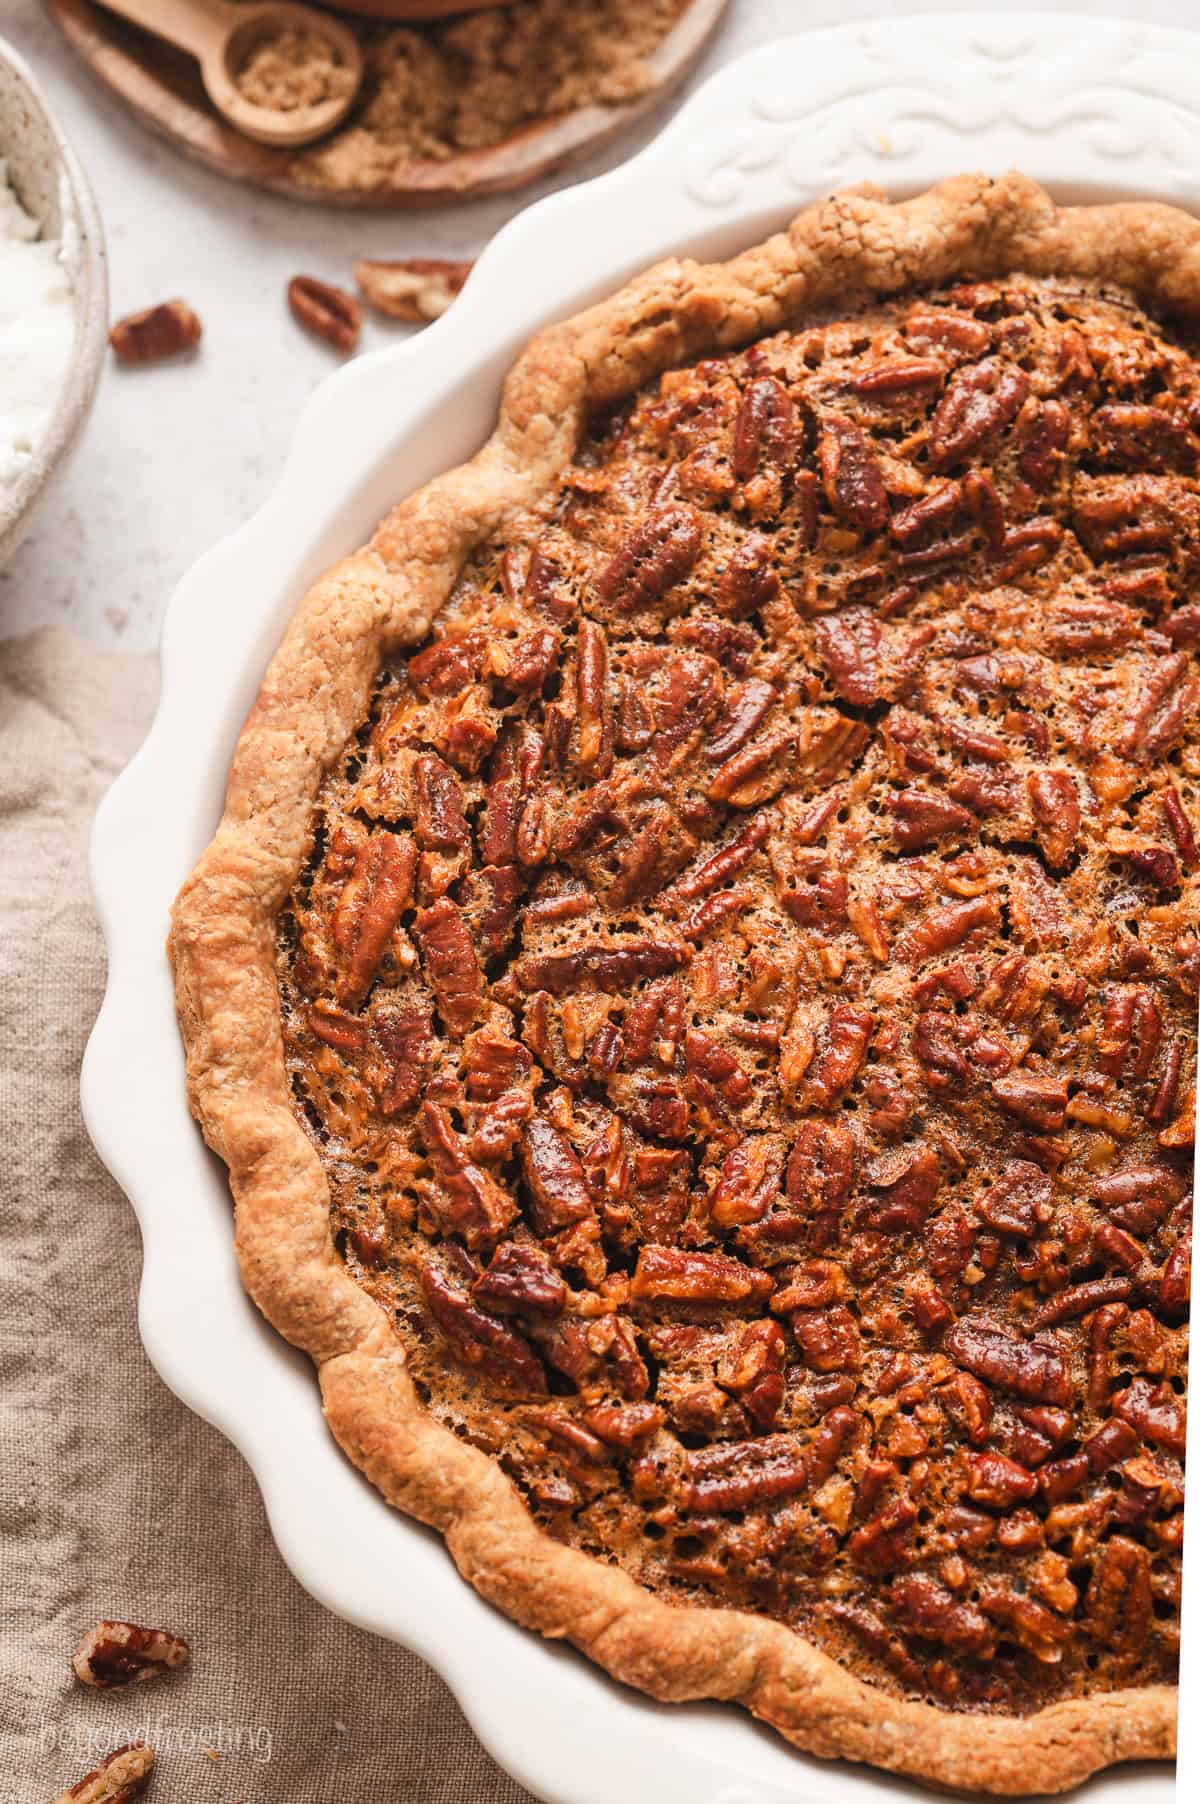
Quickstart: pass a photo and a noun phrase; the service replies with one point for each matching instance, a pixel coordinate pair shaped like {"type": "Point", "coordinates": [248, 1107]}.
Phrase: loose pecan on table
{"type": "Point", "coordinates": [122, 1776]}
{"type": "Point", "coordinates": [156, 334]}
{"type": "Point", "coordinates": [325, 311]}
{"type": "Point", "coordinates": [121, 1653]}
{"type": "Point", "coordinates": [414, 289]}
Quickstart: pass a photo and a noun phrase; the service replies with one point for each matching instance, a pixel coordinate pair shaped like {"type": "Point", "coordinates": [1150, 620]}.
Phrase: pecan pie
{"type": "Point", "coordinates": [696, 984]}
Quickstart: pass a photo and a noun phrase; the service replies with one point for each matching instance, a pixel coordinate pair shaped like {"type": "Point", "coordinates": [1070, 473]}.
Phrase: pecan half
{"type": "Point", "coordinates": [156, 334]}
{"type": "Point", "coordinates": [741, 1473]}
{"type": "Point", "coordinates": [765, 429]}
{"type": "Point", "coordinates": [451, 964]}
{"type": "Point", "coordinates": [852, 474]}
{"type": "Point", "coordinates": [122, 1776]}
{"type": "Point", "coordinates": [592, 705]}
{"type": "Point", "coordinates": [1054, 800]}
{"type": "Point", "coordinates": [413, 288]}
{"type": "Point", "coordinates": [121, 1653]}
{"type": "Point", "coordinates": [978, 402]}
{"type": "Point", "coordinates": [376, 894]}
{"type": "Point", "coordinates": [652, 559]}
{"type": "Point", "coordinates": [841, 1052]}
{"type": "Point", "coordinates": [1155, 1412]}
{"type": "Point", "coordinates": [750, 580]}
{"type": "Point", "coordinates": [922, 818]}
{"type": "Point", "coordinates": [480, 1340]}
{"type": "Point", "coordinates": [325, 311]}
{"type": "Point", "coordinates": [610, 965]}
{"type": "Point", "coordinates": [1020, 1367]}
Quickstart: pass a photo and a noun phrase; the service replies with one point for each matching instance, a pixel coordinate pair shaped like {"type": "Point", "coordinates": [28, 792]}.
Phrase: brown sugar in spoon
{"type": "Point", "coordinates": [221, 37]}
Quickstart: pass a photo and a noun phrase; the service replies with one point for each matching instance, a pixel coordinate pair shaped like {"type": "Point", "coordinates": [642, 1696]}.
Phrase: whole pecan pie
{"type": "Point", "coordinates": [696, 983]}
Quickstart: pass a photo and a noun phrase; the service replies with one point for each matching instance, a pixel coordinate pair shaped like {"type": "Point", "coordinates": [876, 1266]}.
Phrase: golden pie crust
{"type": "Point", "coordinates": [847, 251]}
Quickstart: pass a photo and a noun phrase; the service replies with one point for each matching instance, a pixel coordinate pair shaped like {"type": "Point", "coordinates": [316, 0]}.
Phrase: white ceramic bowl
{"type": "Point", "coordinates": [1094, 109]}
{"type": "Point", "coordinates": [52, 187]}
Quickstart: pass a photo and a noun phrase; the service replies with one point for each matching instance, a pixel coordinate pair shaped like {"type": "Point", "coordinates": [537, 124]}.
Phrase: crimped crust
{"type": "Point", "coordinates": [850, 249]}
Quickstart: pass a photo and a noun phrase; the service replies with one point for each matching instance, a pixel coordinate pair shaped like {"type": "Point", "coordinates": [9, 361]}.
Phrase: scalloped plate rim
{"type": "Point", "coordinates": [699, 1752]}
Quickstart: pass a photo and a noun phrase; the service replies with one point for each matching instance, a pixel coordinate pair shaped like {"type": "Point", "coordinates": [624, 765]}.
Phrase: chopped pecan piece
{"type": "Point", "coordinates": [470, 1202]}
{"type": "Point", "coordinates": [520, 1278]}
{"type": "Point", "coordinates": [609, 964]}
{"type": "Point", "coordinates": [1119, 1599]}
{"type": "Point", "coordinates": [999, 1482]}
{"type": "Point", "coordinates": [1019, 1202]}
{"type": "Point", "coordinates": [746, 705]}
{"type": "Point", "coordinates": [1055, 804]}
{"type": "Point", "coordinates": [1039, 1631]}
{"type": "Point", "coordinates": [120, 1653]}
{"type": "Point", "coordinates": [414, 289]}
{"type": "Point", "coordinates": [156, 333]}
{"type": "Point", "coordinates": [554, 1176]}
{"type": "Point", "coordinates": [749, 1182]}
{"type": "Point", "coordinates": [480, 1340]}
{"type": "Point", "coordinates": [623, 1425]}
{"type": "Point", "coordinates": [1040, 1102]}
{"type": "Point", "coordinates": [669, 1272]}
{"type": "Point", "coordinates": [345, 1033]}
{"type": "Point", "coordinates": [120, 1778]}
{"type": "Point", "coordinates": [953, 925]}
{"type": "Point", "coordinates": [1155, 1412]}
{"type": "Point", "coordinates": [935, 1614]}
{"type": "Point", "coordinates": [883, 1543]}
{"type": "Point", "coordinates": [1139, 436]}
{"type": "Point", "coordinates": [1081, 1299]}
{"type": "Point", "coordinates": [840, 1056]}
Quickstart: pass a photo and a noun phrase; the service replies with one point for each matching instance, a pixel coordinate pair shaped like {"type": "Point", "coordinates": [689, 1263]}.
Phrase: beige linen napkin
{"type": "Point", "coordinates": [114, 1499]}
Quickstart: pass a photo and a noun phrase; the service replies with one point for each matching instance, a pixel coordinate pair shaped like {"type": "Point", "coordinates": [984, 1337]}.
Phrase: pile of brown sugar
{"type": "Point", "coordinates": [291, 70]}
{"type": "Point", "coordinates": [433, 91]}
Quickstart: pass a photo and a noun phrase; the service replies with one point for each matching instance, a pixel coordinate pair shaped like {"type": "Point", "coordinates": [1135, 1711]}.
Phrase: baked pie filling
{"type": "Point", "coordinates": [743, 990]}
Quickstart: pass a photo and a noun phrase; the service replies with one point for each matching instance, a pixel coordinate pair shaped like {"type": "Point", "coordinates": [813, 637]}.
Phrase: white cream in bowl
{"type": "Point", "coordinates": [37, 332]}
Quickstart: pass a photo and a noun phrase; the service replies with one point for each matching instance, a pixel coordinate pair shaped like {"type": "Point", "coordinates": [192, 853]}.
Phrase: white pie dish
{"type": "Point", "coordinates": [52, 187]}
{"type": "Point", "coordinates": [1097, 115]}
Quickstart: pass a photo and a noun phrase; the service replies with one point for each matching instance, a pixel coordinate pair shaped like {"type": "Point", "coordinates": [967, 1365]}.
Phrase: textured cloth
{"type": "Point", "coordinates": [114, 1499]}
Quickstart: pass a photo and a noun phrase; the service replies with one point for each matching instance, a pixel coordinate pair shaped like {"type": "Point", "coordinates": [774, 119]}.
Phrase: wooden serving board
{"type": "Point", "coordinates": [161, 86]}
{"type": "Point", "coordinates": [410, 9]}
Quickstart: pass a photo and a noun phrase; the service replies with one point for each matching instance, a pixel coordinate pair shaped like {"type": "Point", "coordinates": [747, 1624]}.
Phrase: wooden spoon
{"type": "Point", "coordinates": [221, 37]}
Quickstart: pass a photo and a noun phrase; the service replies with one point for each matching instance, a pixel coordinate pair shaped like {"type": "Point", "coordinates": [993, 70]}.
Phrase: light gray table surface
{"type": "Point", "coordinates": [177, 456]}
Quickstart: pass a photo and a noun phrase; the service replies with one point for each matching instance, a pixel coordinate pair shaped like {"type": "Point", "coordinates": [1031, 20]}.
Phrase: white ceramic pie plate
{"type": "Point", "coordinates": [1095, 109]}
